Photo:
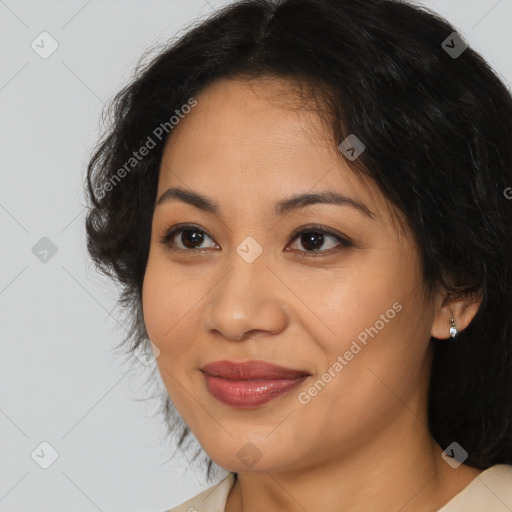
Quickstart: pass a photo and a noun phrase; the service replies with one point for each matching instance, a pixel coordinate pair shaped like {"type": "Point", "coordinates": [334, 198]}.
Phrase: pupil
{"type": "Point", "coordinates": [312, 240]}
{"type": "Point", "coordinates": [189, 241]}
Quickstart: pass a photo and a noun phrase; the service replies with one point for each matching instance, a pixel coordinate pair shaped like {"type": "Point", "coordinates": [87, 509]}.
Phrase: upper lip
{"type": "Point", "coordinates": [232, 370]}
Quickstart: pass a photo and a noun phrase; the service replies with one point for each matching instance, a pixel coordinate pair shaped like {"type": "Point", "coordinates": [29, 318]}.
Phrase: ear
{"type": "Point", "coordinates": [462, 310]}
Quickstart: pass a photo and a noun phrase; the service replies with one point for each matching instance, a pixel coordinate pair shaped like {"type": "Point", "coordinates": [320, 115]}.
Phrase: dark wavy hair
{"type": "Point", "coordinates": [437, 129]}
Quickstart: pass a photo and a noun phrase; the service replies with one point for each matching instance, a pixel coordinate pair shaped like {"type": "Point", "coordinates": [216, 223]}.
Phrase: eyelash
{"type": "Point", "coordinates": [344, 242]}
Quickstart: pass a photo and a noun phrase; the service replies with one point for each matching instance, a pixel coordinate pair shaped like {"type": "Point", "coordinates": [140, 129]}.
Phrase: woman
{"type": "Point", "coordinates": [306, 203]}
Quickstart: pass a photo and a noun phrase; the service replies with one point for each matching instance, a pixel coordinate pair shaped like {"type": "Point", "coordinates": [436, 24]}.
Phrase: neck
{"type": "Point", "coordinates": [401, 469]}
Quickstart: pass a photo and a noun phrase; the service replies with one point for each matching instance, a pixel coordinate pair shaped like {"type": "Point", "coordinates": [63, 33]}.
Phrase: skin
{"type": "Point", "coordinates": [362, 441]}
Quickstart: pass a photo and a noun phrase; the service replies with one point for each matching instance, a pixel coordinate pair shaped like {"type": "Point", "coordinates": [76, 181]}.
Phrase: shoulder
{"type": "Point", "coordinates": [490, 490]}
{"type": "Point", "coordinates": [212, 499]}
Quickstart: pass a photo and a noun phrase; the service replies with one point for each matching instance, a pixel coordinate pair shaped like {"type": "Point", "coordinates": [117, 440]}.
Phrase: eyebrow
{"type": "Point", "coordinates": [281, 208]}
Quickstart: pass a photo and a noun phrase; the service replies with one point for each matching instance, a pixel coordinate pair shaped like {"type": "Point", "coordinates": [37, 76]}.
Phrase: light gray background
{"type": "Point", "coordinates": [59, 381]}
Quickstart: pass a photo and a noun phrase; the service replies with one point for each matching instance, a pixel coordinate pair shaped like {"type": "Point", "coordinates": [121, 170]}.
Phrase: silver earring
{"type": "Point", "coordinates": [453, 329]}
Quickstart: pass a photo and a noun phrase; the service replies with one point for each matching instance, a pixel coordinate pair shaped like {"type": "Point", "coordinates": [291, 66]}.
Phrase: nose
{"type": "Point", "coordinates": [247, 301]}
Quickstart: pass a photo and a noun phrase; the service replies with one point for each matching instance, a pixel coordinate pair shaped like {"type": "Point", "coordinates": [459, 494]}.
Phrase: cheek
{"type": "Point", "coordinates": [361, 304]}
{"type": "Point", "coordinates": [164, 304]}
{"type": "Point", "coordinates": [153, 300]}
{"type": "Point", "coordinates": [171, 300]}
{"type": "Point", "coordinates": [374, 319]}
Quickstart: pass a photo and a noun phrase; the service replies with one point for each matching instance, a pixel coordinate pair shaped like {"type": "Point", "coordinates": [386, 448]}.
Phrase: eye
{"type": "Point", "coordinates": [191, 237]}
{"type": "Point", "coordinates": [313, 238]}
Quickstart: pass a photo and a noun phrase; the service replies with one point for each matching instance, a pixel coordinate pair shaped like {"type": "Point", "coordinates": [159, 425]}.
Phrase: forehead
{"type": "Point", "coordinates": [260, 138]}
{"type": "Point", "coordinates": [250, 114]}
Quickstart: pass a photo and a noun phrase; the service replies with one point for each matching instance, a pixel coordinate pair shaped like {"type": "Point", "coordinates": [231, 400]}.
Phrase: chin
{"type": "Point", "coordinates": [244, 456]}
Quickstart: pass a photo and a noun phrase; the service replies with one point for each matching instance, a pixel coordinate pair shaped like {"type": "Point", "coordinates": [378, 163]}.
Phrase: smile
{"type": "Point", "coordinates": [250, 384]}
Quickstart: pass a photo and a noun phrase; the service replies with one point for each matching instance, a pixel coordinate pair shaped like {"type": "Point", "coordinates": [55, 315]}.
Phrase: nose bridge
{"type": "Point", "coordinates": [250, 250]}
{"type": "Point", "coordinates": [246, 283]}
{"type": "Point", "coordinates": [246, 297]}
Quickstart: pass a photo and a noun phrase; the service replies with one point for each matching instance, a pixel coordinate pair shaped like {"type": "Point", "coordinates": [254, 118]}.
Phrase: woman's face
{"type": "Point", "coordinates": [242, 283]}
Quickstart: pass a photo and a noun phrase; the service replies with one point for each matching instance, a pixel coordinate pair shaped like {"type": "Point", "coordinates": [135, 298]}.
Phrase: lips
{"type": "Point", "coordinates": [251, 370]}
{"type": "Point", "coordinates": [251, 383]}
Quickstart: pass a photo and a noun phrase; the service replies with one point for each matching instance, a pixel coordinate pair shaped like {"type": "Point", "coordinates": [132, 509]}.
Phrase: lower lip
{"type": "Point", "coordinates": [249, 393]}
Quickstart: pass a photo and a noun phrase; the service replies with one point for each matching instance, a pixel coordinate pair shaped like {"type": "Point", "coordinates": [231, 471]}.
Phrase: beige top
{"type": "Point", "coordinates": [490, 491]}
